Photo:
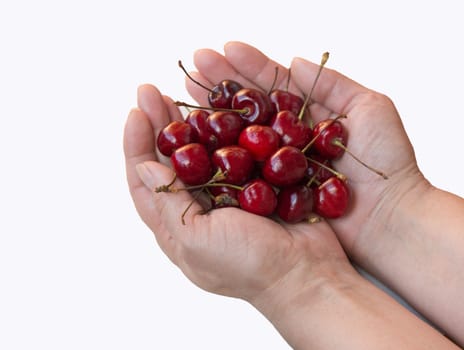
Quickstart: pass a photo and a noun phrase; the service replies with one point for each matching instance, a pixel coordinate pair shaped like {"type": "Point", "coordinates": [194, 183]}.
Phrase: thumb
{"type": "Point", "coordinates": [171, 206]}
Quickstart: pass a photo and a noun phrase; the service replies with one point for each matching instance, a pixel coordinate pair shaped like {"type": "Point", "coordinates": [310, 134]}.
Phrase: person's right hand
{"type": "Point", "coordinates": [375, 131]}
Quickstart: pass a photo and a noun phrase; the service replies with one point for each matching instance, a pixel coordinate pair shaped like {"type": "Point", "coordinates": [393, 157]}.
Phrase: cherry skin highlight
{"type": "Point", "coordinates": [286, 167]}
{"type": "Point", "coordinates": [260, 140]}
{"type": "Point", "coordinates": [258, 197]}
{"type": "Point", "coordinates": [235, 162]}
{"type": "Point", "coordinates": [331, 198]}
{"type": "Point", "coordinates": [192, 164]}
{"type": "Point", "coordinates": [174, 135]}
{"type": "Point", "coordinates": [295, 203]}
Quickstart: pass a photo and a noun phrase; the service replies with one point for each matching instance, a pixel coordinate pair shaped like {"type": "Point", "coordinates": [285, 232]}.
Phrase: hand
{"type": "Point", "coordinates": [227, 251]}
{"type": "Point", "coordinates": [376, 133]}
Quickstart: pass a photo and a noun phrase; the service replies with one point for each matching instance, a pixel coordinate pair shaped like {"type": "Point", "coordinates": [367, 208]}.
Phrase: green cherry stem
{"type": "Point", "coordinates": [239, 111]}
{"type": "Point", "coordinates": [333, 171]}
{"type": "Point", "coordinates": [338, 142]}
{"type": "Point", "coordinates": [324, 59]}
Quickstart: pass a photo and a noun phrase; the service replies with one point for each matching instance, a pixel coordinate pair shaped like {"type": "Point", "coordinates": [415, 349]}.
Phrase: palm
{"type": "Point", "coordinates": [376, 134]}
{"type": "Point", "coordinates": [227, 251]}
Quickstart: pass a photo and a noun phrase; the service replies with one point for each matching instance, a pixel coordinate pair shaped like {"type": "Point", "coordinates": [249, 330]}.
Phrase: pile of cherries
{"type": "Point", "coordinates": [257, 151]}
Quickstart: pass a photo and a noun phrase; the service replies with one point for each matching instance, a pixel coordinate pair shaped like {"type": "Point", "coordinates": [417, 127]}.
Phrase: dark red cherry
{"type": "Point", "coordinates": [317, 173]}
{"type": "Point", "coordinates": [255, 103]}
{"type": "Point", "coordinates": [295, 203]}
{"type": "Point", "coordinates": [283, 100]}
{"type": "Point", "coordinates": [192, 164]}
{"type": "Point", "coordinates": [331, 198]}
{"type": "Point", "coordinates": [223, 196]}
{"type": "Point", "coordinates": [174, 135]}
{"type": "Point", "coordinates": [225, 126]}
{"type": "Point", "coordinates": [286, 167]}
{"type": "Point", "coordinates": [221, 94]}
{"type": "Point", "coordinates": [260, 140]}
{"type": "Point", "coordinates": [327, 133]}
{"type": "Point", "coordinates": [292, 130]}
{"type": "Point", "coordinates": [258, 197]}
{"type": "Point", "coordinates": [235, 162]}
{"type": "Point", "coordinates": [197, 120]}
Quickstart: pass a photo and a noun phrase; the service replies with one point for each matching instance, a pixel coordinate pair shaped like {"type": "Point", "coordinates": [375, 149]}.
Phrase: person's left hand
{"type": "Point", "coordinates": [226, 251]}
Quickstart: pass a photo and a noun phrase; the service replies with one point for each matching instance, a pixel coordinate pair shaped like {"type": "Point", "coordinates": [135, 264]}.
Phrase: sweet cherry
{"type": "Point", "coordinates": [260, 140]}
{"type": "Point", "coordinates": [286, 167]}
{"type": "Point", "coordinates": [295, 203]}
{"type": "Point", "coordinates": [292, 130]}
{"type": "Point", "coordinates": [192, 164]}
{"type": "Point", "coordinates": [331, 198]}
{"type": "Point", "coordinates": [258, 197]}
{"type": "Point", "coordinates": [235, 162]}
{"type": "Point", "coordinates": [174, 135]}
{"type": "Point", "coordinates": [220, 95]}
{"type": "Point", "coordinates": [255, 105]}
{"type": "Point", "coordinates": [225, 127]}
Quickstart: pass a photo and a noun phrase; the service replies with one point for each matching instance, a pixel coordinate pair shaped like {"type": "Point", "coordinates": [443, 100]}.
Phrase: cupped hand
{"type": "Point", "coordinates": [226, 251]}
{"type": "Point", "coordinates": [375, 131]}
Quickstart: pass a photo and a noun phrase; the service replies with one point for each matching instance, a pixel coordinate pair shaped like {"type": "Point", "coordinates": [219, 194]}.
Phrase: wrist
{"type": "Point", "coordinates": [296, 300]}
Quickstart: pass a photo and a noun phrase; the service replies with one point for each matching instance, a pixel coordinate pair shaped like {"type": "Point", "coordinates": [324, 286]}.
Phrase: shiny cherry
{"type": "Point", "coordinates": [192, 164]}
{"type": "Point", "coordinates": [291, 129]}
{"type": "Point", "coordinates": [260, 140]}
{"type": "Point", "coordinates": [287, 166]}
{"type": "Point", "coordinates": [235, 162]}
{"type": "Point", "coordinates": [258, 197]}
{"type": "Point", "coordinates": [197, 120]}
{"type": "Point", "coordinates": [328, 134]}
{"type": "Point", "coordinates": [174, 135]}
{"type": "Point", "coordinates": [223, 196]}
{"type": "Point", "coordinates": [331, 198]}
{"type": "Point", "coordinates": [222, 93]}
{"type": "Point", "coordinates": [295, 203]}
{"type": "Point", "coordinates": [225, 126]}
{"type": "Point", "coordinates": [255, 104]}
{"type": "Point", "coordinates": [283, 100]}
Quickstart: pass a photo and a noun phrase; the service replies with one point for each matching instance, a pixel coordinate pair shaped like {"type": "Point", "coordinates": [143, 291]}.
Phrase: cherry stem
{"type": "Point", "coordinates": [191, 78]}
{"type": "Point", "coordinates": [325, 57]}
{"type": "Point", "coordinates": [166, 188]}
{"type": "Point", "coordinates": [288, 79]}
{"type": "Point", "coordinates": [310, 143]}
{"type": "Point", "coordinates": [274, 81]}
{"type": "Point", "coordinates": [189, 206]}
{"type": "Point", "coordinates": [324, 166]}
{"type": "Point", "coordinates": [239, 111]}
{"type": "Point", "coordinates": [338, 142]}
{"type": "Point", "coordinates": [313, 178]}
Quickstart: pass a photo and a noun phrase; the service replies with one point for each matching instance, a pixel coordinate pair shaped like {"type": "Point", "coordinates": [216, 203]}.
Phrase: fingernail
{"type": "Point", "coordinates": [145, 175]}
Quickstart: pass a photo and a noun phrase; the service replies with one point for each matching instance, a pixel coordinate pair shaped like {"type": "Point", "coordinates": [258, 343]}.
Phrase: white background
{"type": "Point", "coordinates": [78, 268]}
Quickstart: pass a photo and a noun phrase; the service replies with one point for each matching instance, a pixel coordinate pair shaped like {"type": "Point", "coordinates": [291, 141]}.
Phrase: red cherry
{"type": "Point", "coordinates": [258, 197]}
{"type": "Point", "coordinates": [174, 135]}
{"type": "Point", "coordinates": [331, 198]}
{"type": "Point", "coordinates": [287, 166]}
{"type": "Point", "coordinates": [260, 140]}
{"type": "Point", "coordinates": [197, 120]}
{"type": "Point", "coordinates": [327, 133]}
{"type": "Point", "coordinates": [316, 172]}
{"type": "Point", "coordinates": [225, 126]}
{"type": "Point", "coordinates": [283, 100]}
{"type": "Point", "coordinates": [235, 162]}
{"type": "Point", "coordinates": [295, 203]}
{"type": "Point", "coordinates": [221, 94]}
{"type": "Point", "coordinates": [223, 196]}
{"type": "Point", "coordinates": [255, 104]}
{"type": "Point", "coordinates": [292, 130]}
{"type": "Point", "coordinates": [192, 164]}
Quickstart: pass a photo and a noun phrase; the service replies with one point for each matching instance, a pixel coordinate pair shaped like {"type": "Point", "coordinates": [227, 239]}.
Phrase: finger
{"type": "Point", "coordinates": [138, 148]}
{"type": "Point", "coordinates": [160, 111]}
{"type": "Point", "coordinates": [333, 90]}
{"type": "Point", "coordinates": [169, 209]}
{"type": "Point", "coordinates": [255, 66]}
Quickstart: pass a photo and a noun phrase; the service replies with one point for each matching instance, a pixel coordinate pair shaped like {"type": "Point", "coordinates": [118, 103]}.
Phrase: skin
{"type": "Point", "coordinates": [299, 276]}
